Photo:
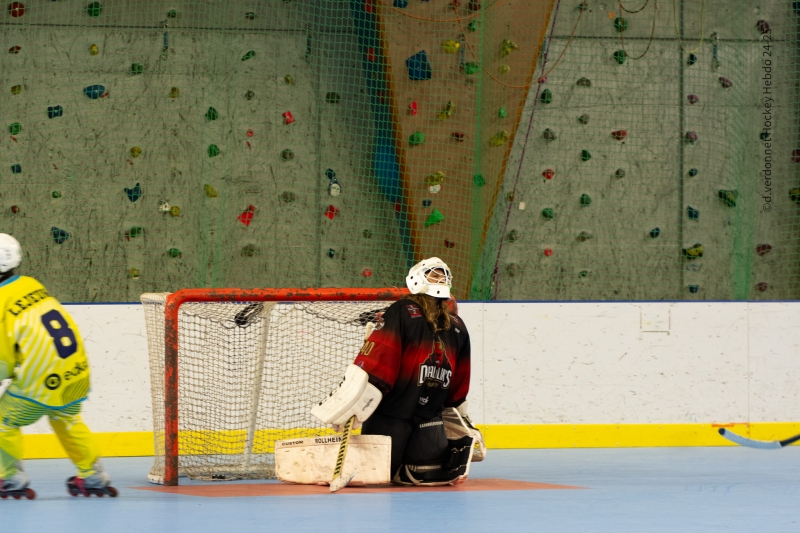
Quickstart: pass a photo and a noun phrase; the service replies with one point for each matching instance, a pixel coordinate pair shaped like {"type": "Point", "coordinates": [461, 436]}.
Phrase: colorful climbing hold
{"type": "Point", "coordinates": [690, 137]}
{"type": "Point", "coordinates": [94, 50]}
{"type": "Point", "coordinates": [693, 99]}
{"type": "Point", "coordinates": [16, 9]}
{"type": "Point", "coordinates": [473, 26]}
{"type": "Point", "coordinates": [655, 232]}
{"type": "Point", "coordinates": [501, 113]}
{"type": "Point", "coordinates": [416, 138]}
{"type": "Point", "coordinates": [134, 193]}
{"type": "Point", "coordinates": [692, 213]}
{"type": "Point", "coordinates": [583, 273]}
{"type": "Point", "coordinates": [478, 180]}
{"type": "Point", "coordinates": [135, 231]}
{"type": "Point", "coordinates": [546, 97]}
{"type": "Point", "coordinates": [249, 95]}
{"type": "Point", "coordinates": [691, 60]}
{"type": "Point", "coordinates": [16, 89]}
{"type": "Point", "coordinates": [470, 68]}
{"type": "Point", "coordinates": [449, 244]}
{"type": "Point", "coordinates": [15, 128]}
{"type": "Point", "coordinates": [134, 273]}
{"type": "Point", "coordinates": [15, 209]}
{"type": "Point", "coordinates": [174, 253]}
{"type": "Point", "coordinates": [56, 194]}
{"type": "Point", "coordinates": [54, 111]}
{"type": "Point", "coordinates": [521, 206]}
{"type": "Point", "coordinates": [331, 212]}
{"type": "Point", "coordinates": [247, 215]}
{"type": "Point", "coordinates": [59, 235]}
{"type": "Point", "coordinates": [506, 47]}
{"type": "Point", "coordinates": [794, 195]}
{"type": "Point", "coordinates": [474, 5]}
{"type": "Point", "coordinates": [212, 114]}
{"type": "Point", "coordinates": [172, 14]}
{"type": "Point", "coordinates": [458, 135]}
{"type": "Point", "coordinates": [16, 169]}
{"type": "Point", "coordinates": [500, 138]}
{"type": "Point", "coordinates": [548, 252]}
{"type": "Point", "coordinates": [287, 117]}
{"type": "Point", "coordinates": [584, 82]}
{"type": "Point", "coordinates": [174, 92]}
{"type": "Point", "coordinates": [210, 191]}
{"type": "Point", "coordinates": [620, 57]}
{"type": "Point", "coordinates": [331, 253]}
{"type": "Point", "coordinates": [249, 55]}
{"type": "Point", "coordinates": [14, 50]}
{"type": "Point", "coordinates": [505, 69]}
{"type": "Point", "coordinates": [288, 197]}
{"type": "Point", "coordinates": [287, 155]}
{"type": "Point", "coordinates": [764, 136]}
{"type": "Point", "coordinates": [426, 203]}
{"type": "Point", "coordinates": [512, 236]}
{"type": "Point", "coordinates": [449, 109]}
{"type": "Point", "coordinates": [333, 98]}
{"type": "Point", "coordinates": [729, 197]}
{"type": "Point", "coordinates": [419, 68]}
{"type": "Point", "coordinates": [511, 270]}
{"type": "Point", "coordinates": [694, 289]}
{"type": "Point", "coordinates": [367, 234]}
{"type": "Point", "coordinates": [434, 218]}
{"type": "Point", "coordinates": [135, 152]}
{"type": "Point", "coordinates": [509, 197]}
{"type": "Point", "coordinates": [435, 180]}
{"type": "Point", "coordinates": [586, 200]}
{"type": "Point", "coordinates": [413, 107]}
{"type": "Point", "coordinates": [213, 150]}
{"type": "Point", "coordinates": [585, 155]}
{"type": "Point", "coordinates": [763, 249]}
{"type": "Point", "coordinates": [94, 9]}
{"type": "Point", "coordinates": [95, 91]}
{"type": "Point", "coordinates": [620, 24]}
{"type": "Point", "coordinates": [137, 68]}
{"type": "Point", "coordinates": [250, 15]}
{"type": "Point", "coordinates": [163, 207]}
{"type": "Point", "coordinates": [400, 4]}
{"type": "Point", "coordinates": [451, 46]}
{"type": "Point", "coordinates": [619, 135]}
{"type": "Point", "coordinates": [367, 273]}
{"type": "Point", "coordinates": [693, 172]}
{"type": "Point", "coordinates": [249, 133]}
{"type": "Point", "coordinates": [762, 286]}
{"type": "Point", "coordinates": [584, 236]}
{"type": "Point", "coordinates": [548, 213]}
{"type": "Point", "coordinates": [693, 252]}
{"type": "Point", "coordinates": [619, 173]}
{"type": "Point", "coordinates": [175, 211]}
{"type": "Point", "coordinates": [583, 119]}
{"type": "Point", "coordinates": [548, 174]}
{"type": "Point", "coordinates": [725, 82]}
{"type": "Point", "coordinates": [796, 155]}
{"type": "Point", "coordinates": [549, 135]}
{"type": "Point", "coordinates": [334, 188]}
{"type": "Point", "coordinates": [763, 27]}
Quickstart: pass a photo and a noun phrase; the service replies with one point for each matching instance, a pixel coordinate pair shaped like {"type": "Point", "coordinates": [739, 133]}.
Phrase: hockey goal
{"type": "Point", "coordinates": [234, 370]}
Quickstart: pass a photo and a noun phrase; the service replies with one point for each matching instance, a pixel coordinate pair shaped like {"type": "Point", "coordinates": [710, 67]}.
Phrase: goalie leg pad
{"type": "Point", "coordinates": [454, 469]}
{"type": "Point", "coordinates": [355, 396]}
{"type": "Point", "coordinates": [457, 424]}
{"type": "Point", "coordinates": [311, 461]}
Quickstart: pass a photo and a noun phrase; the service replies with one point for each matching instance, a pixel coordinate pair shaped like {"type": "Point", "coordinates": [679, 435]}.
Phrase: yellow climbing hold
{"type": "Point", "coordinates": [505, 69]}
{"type": "Point", "coordinates": [211, 192]}
{"type": "Point", "coordinates": [437, 178]}
{"type": "Point", "coordinates": [136, 152]}
{"type": "Point", "coordinates": [448, 111]}
{"type": "Point", "coordinates": [507, 47]}
{"type": "Point", "coordinates": [16, 89]}
{"type": "Point", "coordinates": [451, 46]}
{"type": "Point", "coordinates": [94, 50]}
{"type": "Point", "coordinates": [174, 92]}
{"type": "Point", "coordinates": [500, 138]}
{"type": "Point", "coordinates": [175, 211]}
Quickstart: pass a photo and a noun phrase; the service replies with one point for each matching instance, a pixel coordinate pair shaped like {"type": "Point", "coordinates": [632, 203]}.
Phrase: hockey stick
{"type": "Point", "coordinates": [760, 444]}
{"type": "Point", "coordinates": [339, 482]}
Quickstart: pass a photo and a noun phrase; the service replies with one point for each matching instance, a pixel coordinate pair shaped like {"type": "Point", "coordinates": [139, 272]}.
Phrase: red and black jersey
{"type": "Point", "coordinates": [419, 372]}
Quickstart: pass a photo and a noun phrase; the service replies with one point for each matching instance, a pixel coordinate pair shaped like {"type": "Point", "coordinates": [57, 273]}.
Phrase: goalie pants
{"type": "Point", "coordinates": [67, 423]}
{"type": "Point", "coordinates": [416, 441]}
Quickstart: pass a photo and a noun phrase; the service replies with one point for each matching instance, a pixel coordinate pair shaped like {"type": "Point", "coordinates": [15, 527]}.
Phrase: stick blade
{"type": "Point", "coordinates": [342, 481]}
{"type": "Point", "coordinates": [750, 443]}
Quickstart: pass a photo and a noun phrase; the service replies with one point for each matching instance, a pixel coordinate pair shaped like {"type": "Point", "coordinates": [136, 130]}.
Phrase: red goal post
{"type": "Point", "coordinates": [171, 338]}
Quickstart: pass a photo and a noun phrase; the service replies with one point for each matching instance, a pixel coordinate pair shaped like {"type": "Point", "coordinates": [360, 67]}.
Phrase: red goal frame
{"type": "Point", "coordinates": [178, 298]}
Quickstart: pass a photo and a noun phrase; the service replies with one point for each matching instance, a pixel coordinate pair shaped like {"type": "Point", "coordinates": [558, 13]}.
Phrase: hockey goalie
{"type": "Point", "coordinates": [407, 390]}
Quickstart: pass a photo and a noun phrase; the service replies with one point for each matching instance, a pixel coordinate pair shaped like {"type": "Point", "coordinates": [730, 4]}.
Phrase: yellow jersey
{"type": "Point", "coordinates": [40, 346]}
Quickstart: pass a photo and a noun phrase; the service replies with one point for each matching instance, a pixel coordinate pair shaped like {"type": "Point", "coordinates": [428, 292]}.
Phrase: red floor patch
{"type": "Point", "coordinates": [281, 489]}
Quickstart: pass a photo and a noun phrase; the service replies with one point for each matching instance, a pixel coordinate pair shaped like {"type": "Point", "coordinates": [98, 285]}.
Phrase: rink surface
{"type": "Point", "coordinates": [641, 490]}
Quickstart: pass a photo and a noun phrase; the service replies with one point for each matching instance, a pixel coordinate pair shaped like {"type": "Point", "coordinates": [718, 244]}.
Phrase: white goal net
{"type": "Point", "coordinates": [248, 374]}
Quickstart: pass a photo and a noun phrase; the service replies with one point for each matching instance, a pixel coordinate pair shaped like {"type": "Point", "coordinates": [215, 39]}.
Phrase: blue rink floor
{"type": "Point", "coordinates": [638, 490]}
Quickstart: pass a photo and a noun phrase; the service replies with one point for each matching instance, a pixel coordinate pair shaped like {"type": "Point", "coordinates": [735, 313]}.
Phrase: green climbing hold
{"type": "Point", "coordinates": [174, 253]}
{"type": "Point", "coordinates": [416, 139]}
{"type": "Point", "coordinates": [212, 114]}
{"type": "Point", "coordinates": [434, 218]}
{"type": "Point", "coordinates": [94, 9]}
{"type": "Point", "coordinates": [546, 96]}
{"type": "Point", "coordinates": [548, 213]}
{"type": "Point", "coordinates": [502, 112]}
{"type": "Point", "coordinates": [586, 200]}
{"type": "Point", "coordinates": [729, 197]}
{"type": "Point", "coordinates": [173, 14]}
{"type": "Point", "coordinates": [135, 231]}
{"type": "Point", "coordinates": [213, 150]}
{"type": "Point", "coordinates": [583, 273]}
{"type": "Point", "coordinates": [249, 55]}
{"type": "Point", "coordinates": [473, 26]}
{"type": "Point", "coordinates": [471, 68]}
{"type": "Point", "coordinates": [512, 235]}
{"type": "Point", "coordinates": [479, 180]}
{"type": "Point", "coordinates": [15, 128]}
{"type": "Point", "coordinates": [56, 194]}
{"type": "Point", "coordinates": [137, 68]}
{"type": "Point", "coordinates": [585, 155]}
{"type": "Point", "coordinates": [620, 24]}
{"type": "Point", "coordinates": [620, 56]}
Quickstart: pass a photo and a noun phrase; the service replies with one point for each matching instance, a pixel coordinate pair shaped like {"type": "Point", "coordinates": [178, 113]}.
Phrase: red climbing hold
{"type": "Point", "coordinates": [413, 107]}
{"type": "Point", "coordinates": [249, 133]}
{"type": "Point", "coordinates": [693, 99]}
{"type": "Point", "coordinates": [474, 5]}
{"type": "Point", "coordinates": [726, 83]}
{"type": "Point", "coordinates": [619, 134]}
{"type": "Point", "coordinates": [796, 156]}
{"type": "Point", "coordinates": [763, 26]}
{"type": "Point", "coordinates": [371, 54]}
{"type": "Point", "coordinates": [449, 244]}
{"type": "Point", "coordinates": [459, 136]}
{"type": "Point", "coordinates": [368, 7]}
{"type": "Point", "coordinates": [549, 174]}
{"type": "Point", "coordinates": [15, 209]}
{"type": "Point", "coordinates": [762, 286]}
{"type": "Point", "coordinates": [763, 249]}
{"type": "Point", "coordinates": [367, 273]}
{"type": "Point", "coordinates": [14, 50]}
{"type": "Point", "coordinates": [288, 118]}
{"type": "Point", "coordinates": [16, 9]}
{"type": "Point", "coordinates": [331, 212]}
{"type": "Point", "coordinates": [548, 252]}
{"type": "Point", "coordinates": [247, 216]}
{"type": "Point", "coordinates": [543, 79]}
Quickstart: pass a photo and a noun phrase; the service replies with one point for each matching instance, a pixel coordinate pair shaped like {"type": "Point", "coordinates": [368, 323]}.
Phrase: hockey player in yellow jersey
{"type": "Point", "coordinates": [42, 352]}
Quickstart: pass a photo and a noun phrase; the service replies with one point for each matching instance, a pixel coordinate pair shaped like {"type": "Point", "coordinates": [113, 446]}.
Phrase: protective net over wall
{"type": "Point", "coordinates": [545, 149]}
{"type": "Point", "coordinates": [249, 373]}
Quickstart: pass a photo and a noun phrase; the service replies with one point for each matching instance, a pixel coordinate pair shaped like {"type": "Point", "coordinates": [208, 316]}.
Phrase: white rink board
{"type": "Point", "coordinates": [536, 363]}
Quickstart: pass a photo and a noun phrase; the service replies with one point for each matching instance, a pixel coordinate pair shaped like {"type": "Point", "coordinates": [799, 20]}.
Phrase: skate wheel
{"type": "Point", "coordinates": [112, 492]}
{"type": "Point", "coordinates": [87, 494]}
{"type": "Point", "coordinates": [73, 491]}
{"type": "Point", "coordinates": [16, 496]}
{"type": "Point", "coordinates": [30, 494]}
{"type": "Point", "coordinates": [3, 496]}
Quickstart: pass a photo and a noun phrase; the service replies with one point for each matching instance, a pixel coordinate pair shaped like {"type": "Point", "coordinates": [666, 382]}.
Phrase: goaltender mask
{"type": "Point", "coordinates": [410, 382]}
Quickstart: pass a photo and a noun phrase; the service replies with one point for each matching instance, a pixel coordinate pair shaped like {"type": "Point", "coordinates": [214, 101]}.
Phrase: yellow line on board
{"type": "Point", "coordinates": [137, 444]}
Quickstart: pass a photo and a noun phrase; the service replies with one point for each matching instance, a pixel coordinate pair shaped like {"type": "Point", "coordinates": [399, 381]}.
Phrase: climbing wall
{"type": "Point", "coordinates": [654, 164]}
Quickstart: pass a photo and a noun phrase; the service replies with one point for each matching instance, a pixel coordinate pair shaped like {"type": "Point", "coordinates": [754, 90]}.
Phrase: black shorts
{"type": "Point", "coordinates": [415, 441]}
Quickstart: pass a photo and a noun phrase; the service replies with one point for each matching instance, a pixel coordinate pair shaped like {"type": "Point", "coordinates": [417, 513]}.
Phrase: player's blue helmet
{"type": "Point", "coordinates": [10, 253]}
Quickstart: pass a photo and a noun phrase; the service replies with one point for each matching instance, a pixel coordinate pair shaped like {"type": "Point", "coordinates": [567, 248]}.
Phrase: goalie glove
{"type": "Point", "coordinates": [355, 396]}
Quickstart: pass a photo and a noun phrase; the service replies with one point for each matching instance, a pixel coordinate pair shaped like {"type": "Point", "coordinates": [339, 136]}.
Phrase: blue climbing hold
{"type": "Point", "coordinates": [419, 68]}
{"type": "Point", "coordinates": [694, 288]}
{"type": "Point", "coordinates": [693, 213]}
{"type": "Point", "coordinates": [16, 169]}
{"type": "Point", "coordinates": [54, 111]}
{"type": "Point", "coordinates": [59, 235]}
{"type": "Point", "coordinates": [94, 91]}
{"type": "Point", "coordinates": [134, 193]}
{"type": "Point", "coordinates": [402, 4]}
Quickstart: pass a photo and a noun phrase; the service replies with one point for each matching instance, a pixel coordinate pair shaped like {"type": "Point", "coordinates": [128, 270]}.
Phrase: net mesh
{"type": "Point", "coordinates": [249, 373]}
{"type": "Point", "coordinates": [316, 143]}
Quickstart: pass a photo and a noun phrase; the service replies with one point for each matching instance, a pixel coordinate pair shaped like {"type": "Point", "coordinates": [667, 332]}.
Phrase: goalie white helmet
{"type": "Point", "coordinates": [430, 276]}
{"type": "Point", "coordinates": [10, 253]}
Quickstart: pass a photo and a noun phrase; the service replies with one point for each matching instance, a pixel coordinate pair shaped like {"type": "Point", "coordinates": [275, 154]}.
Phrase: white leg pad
{"type": "Point", "coordinates": [311, 461]}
